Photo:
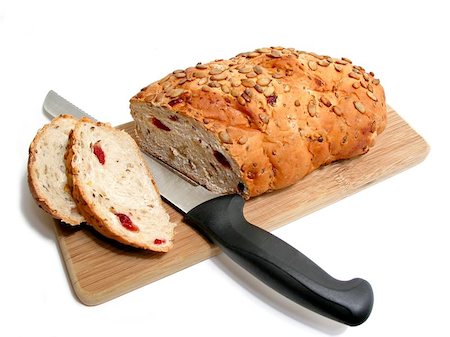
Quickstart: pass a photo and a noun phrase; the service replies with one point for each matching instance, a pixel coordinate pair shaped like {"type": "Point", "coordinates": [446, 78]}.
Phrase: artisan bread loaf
{"type": "Point", "coordinates": [259, 121]}
{"type": "Point", "coordinates": [114, 189]}
{"type": "Point", "coordinates": [47, 172]}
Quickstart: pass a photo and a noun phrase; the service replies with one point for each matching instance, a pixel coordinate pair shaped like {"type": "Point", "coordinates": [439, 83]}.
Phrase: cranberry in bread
{"type": "Point", "coordinates": [47, 177]}
{"type": "Point", "coordinates": [114, 189]}
{"type": "Point", "coordinates": [259, 121]}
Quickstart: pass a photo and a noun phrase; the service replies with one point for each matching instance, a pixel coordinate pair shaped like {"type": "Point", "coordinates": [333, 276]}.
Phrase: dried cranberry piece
{"type": "Point", "coordinates": [175, 101]}
{"type": "Point", "coordinates": [221, 159]}
{"type": "Point", "coordinates": [272, 99]}
{"type": "Point", "coordinates": [159, 241]}
{"type": "Point", "coordinates": [126, 222]}
{"type": "Point", "coordinates": [173, 118]}
{"type": "Point", "coordinates": [98, 151]}
{"type": "Point", "coordinates": [156, 122]}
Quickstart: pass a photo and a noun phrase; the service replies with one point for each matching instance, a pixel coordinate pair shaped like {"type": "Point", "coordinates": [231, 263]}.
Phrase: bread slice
{"type": "Point", "coordinates": [47, 172]}
{"type": "Point", "coordinates": [114, 188]}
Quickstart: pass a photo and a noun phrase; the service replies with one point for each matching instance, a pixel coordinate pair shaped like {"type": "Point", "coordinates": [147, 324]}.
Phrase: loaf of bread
{"type": "Point", "coordinates": [114, 189]}
{"type": "Point", "coordinates": [47, 177]}
{"type": "Point", "coordinates": [259, 121]}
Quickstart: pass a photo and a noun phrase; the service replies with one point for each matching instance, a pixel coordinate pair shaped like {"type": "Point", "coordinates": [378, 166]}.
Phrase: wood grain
{"type": "Point", "coordinates": [100, 269]}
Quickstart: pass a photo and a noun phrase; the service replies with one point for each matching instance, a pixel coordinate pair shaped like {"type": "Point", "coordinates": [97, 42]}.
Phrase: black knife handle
{"type": "Point", "coordinates": [280, 265]}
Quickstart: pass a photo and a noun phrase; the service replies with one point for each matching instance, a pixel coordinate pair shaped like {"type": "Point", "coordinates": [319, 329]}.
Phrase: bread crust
{"type": "Point", "coordinates": [33, 180]}
{"type": "Point", "coordinates": [279, 113]}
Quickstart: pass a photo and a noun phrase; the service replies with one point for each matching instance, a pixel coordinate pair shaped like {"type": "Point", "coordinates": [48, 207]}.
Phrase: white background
{"type": "Point", "coordinates": [98, 55]}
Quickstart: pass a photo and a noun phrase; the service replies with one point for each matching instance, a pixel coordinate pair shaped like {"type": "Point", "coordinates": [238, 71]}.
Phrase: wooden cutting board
{"type": "Point", "coordinates": [101, 269]}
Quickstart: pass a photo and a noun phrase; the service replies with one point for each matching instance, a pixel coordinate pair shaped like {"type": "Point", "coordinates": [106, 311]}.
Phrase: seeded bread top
{"type": "Point", "coordinates": [279, 112]}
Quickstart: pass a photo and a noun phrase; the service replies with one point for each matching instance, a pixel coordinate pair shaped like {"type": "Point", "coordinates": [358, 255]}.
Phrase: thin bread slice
{"type": "Point", "coordinates": [47, 177]}
{"type": "Point", "coordinates": [114, 189]}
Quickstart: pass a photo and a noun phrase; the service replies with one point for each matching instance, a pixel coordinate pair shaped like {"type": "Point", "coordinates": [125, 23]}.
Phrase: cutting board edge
{"type": "Point", "coordinates": [82, 295]}
{"type": "Point", "coordinates": [92, 297]}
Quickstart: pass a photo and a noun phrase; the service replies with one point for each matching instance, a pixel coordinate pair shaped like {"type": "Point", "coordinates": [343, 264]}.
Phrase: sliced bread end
{"type": "Point", "coordinates": [47, 177]}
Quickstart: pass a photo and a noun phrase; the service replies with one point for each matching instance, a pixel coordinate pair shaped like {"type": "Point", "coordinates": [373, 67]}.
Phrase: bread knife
{"type": "Point", "coordinates": [221, 219]}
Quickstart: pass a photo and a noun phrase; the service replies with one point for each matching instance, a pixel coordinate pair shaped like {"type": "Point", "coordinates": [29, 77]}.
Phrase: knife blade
{"type": "Point", "coordinates": [220, 218]}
